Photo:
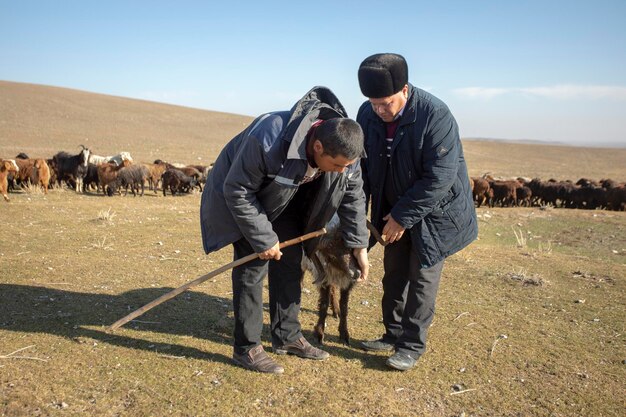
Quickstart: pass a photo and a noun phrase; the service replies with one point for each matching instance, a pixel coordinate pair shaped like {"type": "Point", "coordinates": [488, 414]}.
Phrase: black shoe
{"type": "Point", "coordinates": [377, 345]}
{"type": "Point", "coordinates": [301, 348]}
{"type": "Point", "coordinates": [257, 360]}
{"type": "Point", "coordinates": [401, 361]}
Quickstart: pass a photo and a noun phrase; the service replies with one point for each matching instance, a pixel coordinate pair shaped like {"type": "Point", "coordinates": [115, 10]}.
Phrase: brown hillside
{"type": "Point", "coordinates": [42, 120]}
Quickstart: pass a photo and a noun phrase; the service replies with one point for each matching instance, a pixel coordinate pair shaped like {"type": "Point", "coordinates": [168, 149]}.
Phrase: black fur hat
{"type": "Point", "coordinates": [383, 75]}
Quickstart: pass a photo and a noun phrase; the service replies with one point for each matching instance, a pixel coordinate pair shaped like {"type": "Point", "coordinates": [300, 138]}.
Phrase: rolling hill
{"type": "Point", "coordinates": [41, 120]}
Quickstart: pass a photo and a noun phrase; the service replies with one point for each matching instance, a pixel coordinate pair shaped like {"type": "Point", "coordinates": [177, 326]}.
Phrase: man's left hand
{"type": "Point", "coordinates": [392, 232]}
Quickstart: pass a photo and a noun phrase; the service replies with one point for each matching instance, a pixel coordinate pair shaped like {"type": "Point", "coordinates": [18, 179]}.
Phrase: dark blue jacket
{"type": "Point", "coordinates": [259, 171]}
{"type": "Point", "coordinates": [429, 176]}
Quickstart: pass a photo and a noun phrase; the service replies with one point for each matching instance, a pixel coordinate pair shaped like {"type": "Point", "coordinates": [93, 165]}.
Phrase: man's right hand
{"type": "Point", "coordinates": [272, 253]}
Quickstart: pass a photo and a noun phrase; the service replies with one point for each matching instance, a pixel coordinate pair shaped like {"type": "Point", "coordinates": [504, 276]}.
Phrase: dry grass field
{"type": "Point", "coordinates": [525, 326]}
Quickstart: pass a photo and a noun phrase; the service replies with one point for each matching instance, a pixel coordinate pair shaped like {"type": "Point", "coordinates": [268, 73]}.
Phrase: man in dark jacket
{"type": "Point", "coordinates": [285, 175]}
{"type": "Point", "coordinates": [416, 178]}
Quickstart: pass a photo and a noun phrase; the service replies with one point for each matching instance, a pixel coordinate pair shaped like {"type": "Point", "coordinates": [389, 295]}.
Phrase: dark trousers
{"type": "Point", "coordinates": [284, 279]}
{"type": "Point", "coordinates": [409, 293]}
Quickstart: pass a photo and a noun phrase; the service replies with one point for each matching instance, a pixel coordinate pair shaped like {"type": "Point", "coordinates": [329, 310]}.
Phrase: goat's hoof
{"type": "Point", "coordinates": [319, 335]}
{"type": "Point", "coordinates": [344, 337]}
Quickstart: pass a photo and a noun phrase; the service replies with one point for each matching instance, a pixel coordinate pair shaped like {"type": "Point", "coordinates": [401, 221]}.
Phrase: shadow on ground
{"type": "Point", "coordinates": [70, 314]}
{"type": "Point", "coordinates": [76, 316]}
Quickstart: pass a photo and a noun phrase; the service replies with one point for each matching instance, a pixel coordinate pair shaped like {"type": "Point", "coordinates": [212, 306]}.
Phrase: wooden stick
{"type": "Point", "coordinates": [376, 234]}
{"type": "Point", "coordinates": [203, 278]}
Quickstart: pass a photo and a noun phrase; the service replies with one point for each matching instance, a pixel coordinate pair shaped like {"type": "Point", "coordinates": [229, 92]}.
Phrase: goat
{"type": "Point", "coordinates": [177, 181]}
{"type": "Point", "coordinates": [116, 159]}
{"type": "Point", "coordinates": [335, 271]}
{"type": "Point", "coordinates": [34, 171]}
{"type": "Point", "coordinates": [156, 170]}
{"type": "Point", "coordinates": [6, 166]}
{"type": "Point", "coordinates": [132, 176]}
{"type": "Point", "coordinates": [480, 190]}
{"type": "Point", "coordinates": [91, 177]}
{"type": "Point", "coordinates": [107, 175]}
{"type": "Point", "coordinates": [11, 180]}
{"type": "Point", "coordinates": [72, 167]}
{"type": "Point", "coordinates": [120, 158]}
{"type": "Point", "coordinates": [504, 192]}
{"type": "Point", "coordinates": [190, 171]}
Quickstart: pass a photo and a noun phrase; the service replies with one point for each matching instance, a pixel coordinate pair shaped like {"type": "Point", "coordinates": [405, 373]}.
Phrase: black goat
{"type": "Point", "coordinates": [72, 167]}
{"type": "Point", "coordinates": [335, 271]}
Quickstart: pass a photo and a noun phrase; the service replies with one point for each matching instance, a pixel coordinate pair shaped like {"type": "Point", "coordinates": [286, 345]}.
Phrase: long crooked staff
{"type": "Point", "coordinates": [203, 278]}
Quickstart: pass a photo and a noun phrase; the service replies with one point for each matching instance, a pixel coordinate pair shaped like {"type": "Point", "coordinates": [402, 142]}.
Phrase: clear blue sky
{"type": "Point", "coordinates": [543, 70]}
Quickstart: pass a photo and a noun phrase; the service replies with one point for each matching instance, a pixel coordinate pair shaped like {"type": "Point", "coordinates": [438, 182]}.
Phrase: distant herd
{"type": "Point", "coordinates": [583, 194]}
{"type": "Point", "coordinates": [86, 171]}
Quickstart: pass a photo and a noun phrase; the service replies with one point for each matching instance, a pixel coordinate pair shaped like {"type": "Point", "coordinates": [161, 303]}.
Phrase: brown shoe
{"type": "Point", "coordinates": [257, 360]}
{"type": "Point", "coordinates": [301, 348]}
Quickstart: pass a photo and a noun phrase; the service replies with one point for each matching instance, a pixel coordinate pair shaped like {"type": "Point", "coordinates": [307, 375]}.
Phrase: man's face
{"type": "Point", "coordinates": [327, 163]}
{"type": "Point", "coordinates": [387, 108]}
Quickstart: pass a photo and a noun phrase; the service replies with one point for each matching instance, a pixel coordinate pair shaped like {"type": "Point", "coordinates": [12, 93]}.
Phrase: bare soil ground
{"type": "Point", "coordinates": [524, 326]}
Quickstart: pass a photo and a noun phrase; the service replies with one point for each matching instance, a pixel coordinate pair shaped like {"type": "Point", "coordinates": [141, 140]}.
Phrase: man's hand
{"type": "Point", "coordinates": [272, 253]}
{"type": "Point", "coordinates": [392, 232]}
{"type": "Point", "coordinates": [361, 256]}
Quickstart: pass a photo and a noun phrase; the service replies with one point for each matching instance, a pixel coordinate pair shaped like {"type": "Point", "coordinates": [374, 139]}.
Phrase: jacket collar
{"type": "Point", "coordinates": [318, 103]}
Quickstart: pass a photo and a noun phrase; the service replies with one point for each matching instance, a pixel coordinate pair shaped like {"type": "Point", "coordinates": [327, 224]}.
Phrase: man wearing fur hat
{"type": "Point", "coordinates": [285, 175]}
{"type": "Point", "coordinates": [416, 179]}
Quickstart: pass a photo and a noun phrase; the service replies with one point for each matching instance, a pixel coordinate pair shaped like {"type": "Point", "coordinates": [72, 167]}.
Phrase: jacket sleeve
{"type": "Point", "coordinates": [440, 163]}
{"type": "Point", "coordinates": [360, 118]}
{"type": "Point", "coordinates": [351, 211]}
{"type": "Point", "coordinates": [243, 181]}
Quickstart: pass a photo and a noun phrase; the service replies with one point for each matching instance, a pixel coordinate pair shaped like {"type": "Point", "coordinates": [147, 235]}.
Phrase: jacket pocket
{"type": "Point", "coordinates": [444, 230]}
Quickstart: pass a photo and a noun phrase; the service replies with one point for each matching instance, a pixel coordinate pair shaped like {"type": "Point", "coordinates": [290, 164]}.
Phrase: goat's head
{"type": "Point", "coordinates": [10, 165]}
{"type": "Point", "coordinates": [84, 160]}
{"type": "Point", "coordinates": [334, 263]}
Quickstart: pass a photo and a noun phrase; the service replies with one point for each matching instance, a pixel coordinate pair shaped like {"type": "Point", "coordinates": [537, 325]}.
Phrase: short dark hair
{"type": "Point", "coordinates": [341, 136]}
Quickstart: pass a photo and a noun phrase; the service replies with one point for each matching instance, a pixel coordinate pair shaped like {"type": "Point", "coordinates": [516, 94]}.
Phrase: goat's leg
{"type": "Point", "coordinates": [322, 313]}
{"type": "Point", "coordinates": [334, 300]}
{"type": "Point", "coordinates": [344, 335]}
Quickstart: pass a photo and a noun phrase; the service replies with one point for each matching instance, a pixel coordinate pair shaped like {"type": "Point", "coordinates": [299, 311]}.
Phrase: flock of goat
{"type": "Point", "coordinates": [110, 174]}
{"type": "Point", "coordinates": [584, 194]}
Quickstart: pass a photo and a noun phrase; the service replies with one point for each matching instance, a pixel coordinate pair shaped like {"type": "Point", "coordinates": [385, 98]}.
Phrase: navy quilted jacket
{"type": "Point", "coordinates": [429, 176]}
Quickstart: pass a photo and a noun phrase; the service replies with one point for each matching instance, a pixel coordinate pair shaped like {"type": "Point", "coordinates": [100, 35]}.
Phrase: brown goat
{"type": "Point", "coordinates": [107, 173]}
{"type": "Point", "coordinates": [480, 190]}
{"type": "Point", "coordinates": [35, 171]}
{"type": "Point", "coordinates": [504, 192]}
{"type": "Point", "coordinates": [155, 170]}
{"type": "Point", "coordinates": [6, 166]}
